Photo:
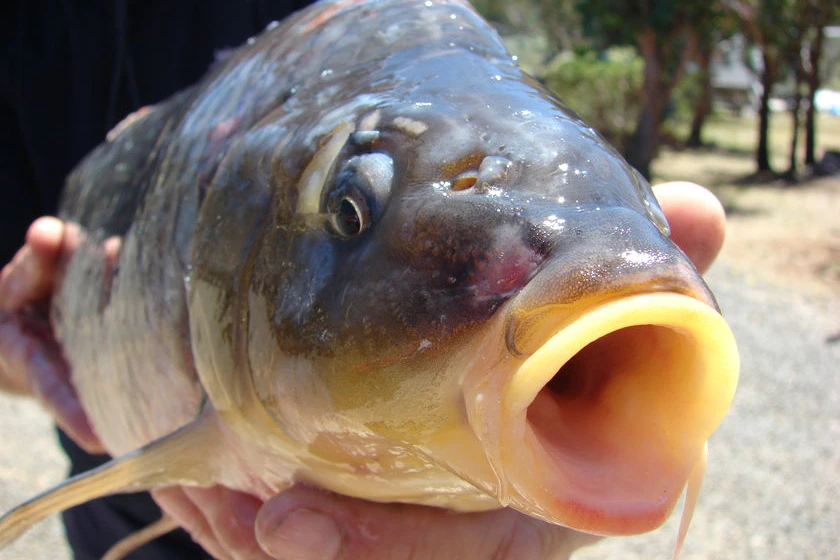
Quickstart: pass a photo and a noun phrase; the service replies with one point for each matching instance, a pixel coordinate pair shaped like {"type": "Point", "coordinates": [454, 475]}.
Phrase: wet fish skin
{"type": "Point", "coordinates": [259, 116]}
{"type": "Point", "coordinates": [244, 304]}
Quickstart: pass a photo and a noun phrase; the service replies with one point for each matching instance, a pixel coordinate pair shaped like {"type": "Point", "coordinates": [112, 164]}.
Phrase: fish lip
{"type": "Point", "coordinates": [575, 491]}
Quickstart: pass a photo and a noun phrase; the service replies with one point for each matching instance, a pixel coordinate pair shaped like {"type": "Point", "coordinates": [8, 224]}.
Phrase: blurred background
{"type": "Point", "coordinates": [742, 96]}
{"type": "Point", "coordinates": [653, 75]}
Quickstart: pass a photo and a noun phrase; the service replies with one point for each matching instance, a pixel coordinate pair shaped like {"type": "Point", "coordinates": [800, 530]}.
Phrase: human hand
{"type": "Point", "coordinates": [305, 523]}
{"type": "Point", "coordinates": [31, 361]}
{"type": "Point", "coordinates": [309, 524]}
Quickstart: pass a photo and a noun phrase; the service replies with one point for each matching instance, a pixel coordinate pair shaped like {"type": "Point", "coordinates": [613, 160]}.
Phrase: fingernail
{"type": "Point", "coordinates": [305, 535]}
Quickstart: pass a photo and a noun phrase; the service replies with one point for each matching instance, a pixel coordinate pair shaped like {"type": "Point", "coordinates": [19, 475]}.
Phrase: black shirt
{"type": "Point", "coordinates": [72, 69]}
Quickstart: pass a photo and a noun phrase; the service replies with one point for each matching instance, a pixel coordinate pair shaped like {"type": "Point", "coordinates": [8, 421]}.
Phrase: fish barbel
{"type": "Point", "coordinates": [367, 252]}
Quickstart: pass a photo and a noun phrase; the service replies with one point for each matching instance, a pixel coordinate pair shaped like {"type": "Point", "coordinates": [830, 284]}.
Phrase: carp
{"type": "Point", "coordinates": [367, 252]}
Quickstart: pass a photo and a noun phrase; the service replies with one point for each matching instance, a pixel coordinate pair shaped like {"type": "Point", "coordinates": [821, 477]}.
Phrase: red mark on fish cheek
{"type": "Point", "coordinates": [505, 269]}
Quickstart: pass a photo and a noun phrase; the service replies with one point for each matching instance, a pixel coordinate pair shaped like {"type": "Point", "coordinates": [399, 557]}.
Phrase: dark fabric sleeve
{"type": "Point", "coordinates": [21, 203]}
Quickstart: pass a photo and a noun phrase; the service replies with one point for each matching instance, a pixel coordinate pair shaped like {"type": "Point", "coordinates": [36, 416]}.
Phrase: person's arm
{"type": "Point", "coordinates": [303, 523]}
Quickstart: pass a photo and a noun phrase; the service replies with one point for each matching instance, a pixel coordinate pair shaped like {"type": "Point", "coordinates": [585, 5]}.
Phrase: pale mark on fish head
{"type": "Point", "coordinates": [315, 175]}
{"type": "Point", "coordinates": [370, 121]}
{"type": "Point", "coordinates": [410, 126]}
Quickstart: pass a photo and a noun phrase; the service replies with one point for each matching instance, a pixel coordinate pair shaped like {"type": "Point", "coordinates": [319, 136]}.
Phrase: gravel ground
{"type": "Point", "coordinates": [773, 483]}
{"type": "Point", "coordinates": [30, 461]}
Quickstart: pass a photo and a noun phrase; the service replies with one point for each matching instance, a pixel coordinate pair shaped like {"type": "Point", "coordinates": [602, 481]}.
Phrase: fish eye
{"type": "Point", "coordinates": [350, 217]}
{"type": "Point", "coordinates": [359, 193]}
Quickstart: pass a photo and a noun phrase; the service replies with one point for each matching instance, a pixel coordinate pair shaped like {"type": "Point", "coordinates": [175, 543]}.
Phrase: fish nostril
{"type": "Point", "coordinates": [464, 182]}
{"type": "Point", "coordinates": [493, 170]}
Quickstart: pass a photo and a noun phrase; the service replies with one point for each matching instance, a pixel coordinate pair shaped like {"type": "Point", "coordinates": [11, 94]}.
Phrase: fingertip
{"type": "Point", "coordinates": [303, 534]}
{"type": "Point", "coordinates": [678, 193]}
{"type": "Point", "coordinates": [697, 220]}
{"type": "Point", "coordinates": [76, 425]}
{"type": "Point", "coordinates": [31, 274]}
{"type": "Point", "coordinates": [290, 526]}
{"type": "Point", "coordinates": [45, 235]}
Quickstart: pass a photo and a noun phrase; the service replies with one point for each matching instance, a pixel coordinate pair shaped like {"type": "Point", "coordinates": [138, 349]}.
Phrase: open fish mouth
{"type": "Point", "coordinates": [601, 422]}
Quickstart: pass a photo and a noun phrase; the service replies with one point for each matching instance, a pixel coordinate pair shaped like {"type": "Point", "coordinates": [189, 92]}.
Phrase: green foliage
{"type": "Point", "coordinates": [616, 22]}
{"type": "Point", "coordinates": [531, 51]}
{"type": "Point", "coordinates": [684, 99]}
{"type": "Point", "coordinates": [604, 88]}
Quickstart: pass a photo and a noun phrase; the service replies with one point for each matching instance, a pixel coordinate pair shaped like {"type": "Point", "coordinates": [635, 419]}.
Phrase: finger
{"type": "Point", "coordinates": [231, 516]}
{"type": "Point", "coordinates": [13, 377]}
{"type": "Point", "coordinates": [308, 524]}
{"type": "Point", "coordinates": [30, 276]}
{"type": "Point", "coordinates": [31, 359]}
{"type": "Point", "coordinates": [180, 507]}
{"type": "Point", "coordinates": [697, 220]}
{"type": "Point", "coordinates": [45, 236]}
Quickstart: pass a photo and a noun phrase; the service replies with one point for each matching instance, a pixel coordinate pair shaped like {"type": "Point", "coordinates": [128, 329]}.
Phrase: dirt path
{"type": "Point", "coordinates": [30, 461]}
{"type": "Point", "coordinates": [787, 236]}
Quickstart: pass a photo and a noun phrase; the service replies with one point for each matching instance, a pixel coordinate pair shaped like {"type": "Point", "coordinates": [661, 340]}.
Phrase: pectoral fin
{"type": "Point", "coordinates": [138, 538]}
{"type": "Point", "coordinates": [182, 457]}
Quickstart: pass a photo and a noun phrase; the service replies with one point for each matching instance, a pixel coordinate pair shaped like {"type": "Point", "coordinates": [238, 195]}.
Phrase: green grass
{"type": "Point", "coordinates": [740, 135]}
{"type": "Point", "coordinates": [730, 152]}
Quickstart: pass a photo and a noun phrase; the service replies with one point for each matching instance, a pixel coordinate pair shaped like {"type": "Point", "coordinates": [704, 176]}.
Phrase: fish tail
{"type": "Point", "coordinates": [178, 458]}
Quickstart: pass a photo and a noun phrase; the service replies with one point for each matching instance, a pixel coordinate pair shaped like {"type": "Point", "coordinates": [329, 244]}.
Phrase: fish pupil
{"type": "Point", "coordinates": [348, 219]}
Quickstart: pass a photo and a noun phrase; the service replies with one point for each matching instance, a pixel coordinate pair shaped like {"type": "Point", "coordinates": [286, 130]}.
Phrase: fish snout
{"type": "Point", "coordinates": [617, 370]}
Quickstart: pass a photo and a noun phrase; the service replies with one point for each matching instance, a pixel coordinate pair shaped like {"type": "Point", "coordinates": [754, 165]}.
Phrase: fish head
{"type": "Point", "coordinates": [485, 282]}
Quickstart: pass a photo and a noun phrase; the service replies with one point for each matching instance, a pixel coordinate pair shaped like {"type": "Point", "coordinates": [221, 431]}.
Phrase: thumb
{"type": "Point", "coordinates": [308, 524]}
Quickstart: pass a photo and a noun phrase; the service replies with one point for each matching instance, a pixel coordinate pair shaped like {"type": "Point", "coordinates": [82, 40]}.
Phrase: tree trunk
{"type": "Point", "coordinates": [797, 61]}
{"type": "Point", "coordinates": [813, 79]}
{"type": "Point", "coordinates": [768, 79]}
{"type": "Point", "coordinates": [703, 106]}
{"type": "Point", "coordinates": [656, 93]}
{"type": "Point", "coordinates": [644, 142]}
{"type": "Point", "coordinates": [795, 123]}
